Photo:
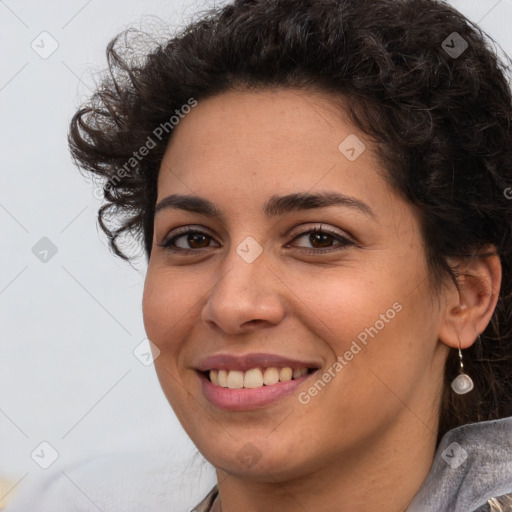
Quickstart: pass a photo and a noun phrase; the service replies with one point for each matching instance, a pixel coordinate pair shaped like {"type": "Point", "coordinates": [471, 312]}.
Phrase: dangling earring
{"type": "Point", "coordinates": [463, 383]}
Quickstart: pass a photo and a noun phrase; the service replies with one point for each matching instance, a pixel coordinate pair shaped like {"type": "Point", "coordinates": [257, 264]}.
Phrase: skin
{"type": "Point", "coordinates": [375, 424]}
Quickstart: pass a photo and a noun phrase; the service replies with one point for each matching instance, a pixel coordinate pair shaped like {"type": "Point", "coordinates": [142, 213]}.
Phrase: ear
{"type": "Point", "coordinates": [468, 310]}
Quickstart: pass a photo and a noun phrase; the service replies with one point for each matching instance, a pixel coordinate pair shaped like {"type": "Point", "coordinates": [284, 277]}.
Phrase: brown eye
{"type": "Point", "coordinates": [195, 240]}
{"type": "Point", "coordinates": [322, 240]}
{"type": "Point", "coordinates": [187, 241]}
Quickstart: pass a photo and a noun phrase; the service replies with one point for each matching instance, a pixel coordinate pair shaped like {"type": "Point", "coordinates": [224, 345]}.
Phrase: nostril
{"type": "Point", "coordinates": [254, 322]}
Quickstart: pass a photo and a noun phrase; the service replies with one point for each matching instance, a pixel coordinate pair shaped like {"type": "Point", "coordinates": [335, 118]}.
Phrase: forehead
{"type": "Point", "coordinates": [240, 148]}
{"type": "Point", "coordinates": [283, 131]}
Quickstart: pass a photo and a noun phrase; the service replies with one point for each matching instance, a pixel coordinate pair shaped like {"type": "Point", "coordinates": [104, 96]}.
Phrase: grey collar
{"type": "Point", "coordinates": [472, 464]}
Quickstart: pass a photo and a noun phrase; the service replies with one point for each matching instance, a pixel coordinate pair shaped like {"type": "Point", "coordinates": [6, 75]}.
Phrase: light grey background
{"type": "Point", "coordinates": [68, 374]}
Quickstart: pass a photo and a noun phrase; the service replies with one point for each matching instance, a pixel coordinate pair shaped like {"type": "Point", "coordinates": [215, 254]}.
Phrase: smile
{"type": "Point", "coordinates": [252, 381]}
{"type": "Point", "coordinates": [255, 377]}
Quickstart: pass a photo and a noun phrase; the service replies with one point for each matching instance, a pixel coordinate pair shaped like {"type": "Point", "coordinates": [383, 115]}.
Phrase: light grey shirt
{"type": "Point", "coordinates": [473, 463]}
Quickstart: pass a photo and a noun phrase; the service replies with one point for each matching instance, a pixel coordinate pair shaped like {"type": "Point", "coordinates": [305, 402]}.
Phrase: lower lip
{"type": "Point", "coordinates": [244, 398]}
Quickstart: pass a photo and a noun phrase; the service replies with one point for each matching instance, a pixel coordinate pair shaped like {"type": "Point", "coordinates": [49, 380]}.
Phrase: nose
{"type": "Point", "coordinates": [245, 297]}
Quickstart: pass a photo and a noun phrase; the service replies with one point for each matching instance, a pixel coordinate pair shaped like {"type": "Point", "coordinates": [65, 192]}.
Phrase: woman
{"type": "Point", "coordinates": [322, 189]}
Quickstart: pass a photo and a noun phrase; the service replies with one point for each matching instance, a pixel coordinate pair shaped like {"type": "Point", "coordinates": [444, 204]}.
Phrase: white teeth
{"type": "Point", "coordinates": [255, 377]}
{"type": "Point", "coordinates": [271, 376]}
{"type": "Point", "coordinates": [235, 379]}
{"type": "Point", "coordinates": [223, 378]}
{"type": "Point", "coordinates": [285, 374]}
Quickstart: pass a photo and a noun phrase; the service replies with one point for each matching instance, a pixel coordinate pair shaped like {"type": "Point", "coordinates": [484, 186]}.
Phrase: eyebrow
{"type": "Point", "coordinates": [275, 206]}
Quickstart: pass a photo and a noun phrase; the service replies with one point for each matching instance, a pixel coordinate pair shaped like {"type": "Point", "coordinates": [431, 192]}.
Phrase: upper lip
{"type": "Point", "coordinates": [248, 361]}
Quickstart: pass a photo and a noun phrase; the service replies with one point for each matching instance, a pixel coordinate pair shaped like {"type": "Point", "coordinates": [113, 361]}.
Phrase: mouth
{"type": "Point", "coordinates": [251, 381]}
{"type": "Point", "coordinates": [254, 378]}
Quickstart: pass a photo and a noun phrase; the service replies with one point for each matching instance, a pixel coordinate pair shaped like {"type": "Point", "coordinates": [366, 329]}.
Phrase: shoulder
{"type": "Point", "coordinates": [207, 502]}
{"type": "Point", "coordinates": [471, 471]}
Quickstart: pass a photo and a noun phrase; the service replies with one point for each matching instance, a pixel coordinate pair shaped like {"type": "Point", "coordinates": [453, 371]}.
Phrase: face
{"type": "Point", "coordinates": [295, 258]}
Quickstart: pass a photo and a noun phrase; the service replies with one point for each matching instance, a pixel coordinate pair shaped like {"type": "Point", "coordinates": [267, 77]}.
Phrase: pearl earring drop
{"type": "Point", "coordinates": [463, 383]}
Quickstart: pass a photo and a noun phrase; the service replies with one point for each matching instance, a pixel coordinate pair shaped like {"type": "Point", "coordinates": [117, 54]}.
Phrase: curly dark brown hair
{"type": "Point", "coordinates": [426, 85]}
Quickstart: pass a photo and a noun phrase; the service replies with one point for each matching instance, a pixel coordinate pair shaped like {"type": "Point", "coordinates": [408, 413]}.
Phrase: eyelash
{"type": "Point", "coordinates": [344, 242]}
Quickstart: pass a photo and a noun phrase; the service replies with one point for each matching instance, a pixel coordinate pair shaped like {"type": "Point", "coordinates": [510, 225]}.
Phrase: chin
{"type": "Point", "coordinates": [257, 459]}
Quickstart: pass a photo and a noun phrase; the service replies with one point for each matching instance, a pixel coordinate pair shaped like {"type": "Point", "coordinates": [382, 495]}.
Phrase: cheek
{"type": "Point", "coordinates": [372, 320]}
{"type": "Point", "coordinates": [152, 308]}
{"type": "Point", "coordinates": [337, 305]}
{"type": "Point", "coordinates": [167, 314]}
{"type": "Point", "coordinates": [165, 306]}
